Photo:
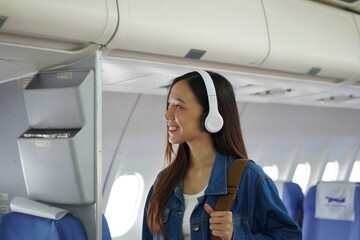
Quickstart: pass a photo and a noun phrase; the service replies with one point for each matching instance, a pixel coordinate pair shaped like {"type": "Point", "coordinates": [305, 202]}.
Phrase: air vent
{"type": "Point", "coordinates": [273, 92]}
{"type": "Point", "coordinates": [24, 81]}
{"type": "Point", "coordinates": [357, 84]}
{"type": "Point", "coordinates": [339, 98]}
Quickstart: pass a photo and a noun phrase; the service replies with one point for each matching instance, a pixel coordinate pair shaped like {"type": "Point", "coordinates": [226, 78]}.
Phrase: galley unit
{"type": "Point", "coordinates": [57, 152]}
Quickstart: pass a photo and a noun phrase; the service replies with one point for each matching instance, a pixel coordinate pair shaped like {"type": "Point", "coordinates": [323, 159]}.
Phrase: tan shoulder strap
{"type": "Point", "coordinates": [225, 202]}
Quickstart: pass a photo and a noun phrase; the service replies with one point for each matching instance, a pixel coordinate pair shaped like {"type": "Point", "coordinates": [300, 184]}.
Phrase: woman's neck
{"type": "Point", "coordinates": [202, 153]}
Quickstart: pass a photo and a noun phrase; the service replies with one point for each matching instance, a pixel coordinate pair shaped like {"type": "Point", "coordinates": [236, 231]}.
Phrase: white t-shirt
{"type": "Point", "coordinates": [190, 203]}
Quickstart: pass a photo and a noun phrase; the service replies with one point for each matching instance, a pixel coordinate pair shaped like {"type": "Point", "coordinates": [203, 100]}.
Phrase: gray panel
{"type": "Point", "coordinates": [67, 171]}
{"type": "Point", "coordinates": [13, 121]}
{"type": "Point", "coordinates": [60, 100]}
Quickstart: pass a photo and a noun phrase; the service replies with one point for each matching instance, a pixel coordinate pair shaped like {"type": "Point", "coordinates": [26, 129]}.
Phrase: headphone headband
{"type": "Point", "coordinates": [213, 121]}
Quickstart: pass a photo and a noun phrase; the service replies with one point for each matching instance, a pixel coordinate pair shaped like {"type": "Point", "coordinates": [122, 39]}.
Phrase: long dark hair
{"type": "Point", "coordinates": [228, 141]}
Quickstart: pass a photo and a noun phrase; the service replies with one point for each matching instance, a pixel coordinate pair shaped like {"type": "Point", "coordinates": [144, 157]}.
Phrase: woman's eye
{"type": "Point", "coordinates": [178, 107]}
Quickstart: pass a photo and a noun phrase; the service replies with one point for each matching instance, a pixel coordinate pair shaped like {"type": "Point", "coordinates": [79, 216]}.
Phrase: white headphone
{"type": "Point", "coordinates": [213, 121]}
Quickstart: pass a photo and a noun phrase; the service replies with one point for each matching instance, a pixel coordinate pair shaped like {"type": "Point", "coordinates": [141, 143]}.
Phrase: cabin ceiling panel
{"type": "Point", "coordinates": [148, 74]}
{"type": "Point", "coordinates": [144, 82]}
{"type": "Point", "coordinates": [17, 61]}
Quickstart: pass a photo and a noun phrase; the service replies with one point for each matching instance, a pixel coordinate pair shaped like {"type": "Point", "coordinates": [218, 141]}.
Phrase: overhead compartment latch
{"type": "Point", "coordinates": [2, 20]}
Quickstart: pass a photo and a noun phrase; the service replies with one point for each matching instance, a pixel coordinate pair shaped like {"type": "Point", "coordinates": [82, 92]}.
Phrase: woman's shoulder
{"type": "Point", "coordinates": [255, 170]}
{"type": "Point", "coordinates": [254, 177]}
{"type": "Point", "coordinates": [251, 168]}
{"type": "Point", "coordinates": [251, 164]}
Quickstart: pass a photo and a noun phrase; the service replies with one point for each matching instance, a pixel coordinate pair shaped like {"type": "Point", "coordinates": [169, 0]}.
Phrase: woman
{"type": "Point", "coordinates": [180, 203]}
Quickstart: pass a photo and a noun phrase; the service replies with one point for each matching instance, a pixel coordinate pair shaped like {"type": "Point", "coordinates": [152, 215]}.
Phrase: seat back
{"type": "Point", "coordinates": [293, 198]}
{"type": "Point", "coordinates": [105, 229]}
{"type": "Point", "coordinates": [15, 226]}
{"type": "Point", "coordinates": [31, 220]}
{"type": "Point", "coordinates": [315, 228]}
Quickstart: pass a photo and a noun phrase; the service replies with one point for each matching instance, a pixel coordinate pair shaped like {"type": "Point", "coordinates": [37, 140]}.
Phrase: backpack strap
{"type": "Point", "coordinates": [225, 202]}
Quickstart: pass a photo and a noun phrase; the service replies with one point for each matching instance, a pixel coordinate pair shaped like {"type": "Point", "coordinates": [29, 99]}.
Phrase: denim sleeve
{"type": "Point", "coordinates": [271, 220]}
{"type": "Point", "coordinates": [146, 234]}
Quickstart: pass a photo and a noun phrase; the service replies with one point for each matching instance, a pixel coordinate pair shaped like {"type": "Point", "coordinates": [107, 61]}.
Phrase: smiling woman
{"type": "Point", "coordinates": [295, 86]}
{"type": "Point", "coordinates": [181, 203]}
{"type": "Point", "coordinates": [183, 115]}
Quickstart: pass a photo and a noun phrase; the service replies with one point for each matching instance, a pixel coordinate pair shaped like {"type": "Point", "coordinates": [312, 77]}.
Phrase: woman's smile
{"type": "Point", "coordinates": [172, 128]}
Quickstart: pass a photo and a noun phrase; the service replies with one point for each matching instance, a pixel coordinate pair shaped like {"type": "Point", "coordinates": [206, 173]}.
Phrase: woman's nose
{"type": "Point", "coordinates": [168, 114]}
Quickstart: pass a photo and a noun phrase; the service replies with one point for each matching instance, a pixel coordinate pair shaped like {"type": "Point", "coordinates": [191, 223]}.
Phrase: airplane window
{"type": "Point", "coordinates": [124, 201]}
{"type": "Point", "coordinates": [272, 171]}
{"type": "Point", "coordinates": [331, 171]}
{"type": "Point", "coordinates": [302, 175]}
{"type": "Point", "coordinates": [355, 172]}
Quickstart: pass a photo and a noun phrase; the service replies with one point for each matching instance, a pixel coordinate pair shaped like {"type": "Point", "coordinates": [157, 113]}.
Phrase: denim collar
{"type": "Point", "coordinates": [218, 178]}
{"type": "Point", "coordinates": [178, 192]}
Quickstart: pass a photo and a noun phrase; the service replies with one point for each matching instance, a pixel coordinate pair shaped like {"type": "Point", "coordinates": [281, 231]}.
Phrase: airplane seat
{"type": "Point", "coordinates": [293, 198]}
{"type": "Point", "coordinates": [105, 229]}
{"type": "Point", "coordinates": [30, 220]}
{"type": "Point", "coordinates": [15, 225]}
{"type": "Point", "coordinates": [332, 211]}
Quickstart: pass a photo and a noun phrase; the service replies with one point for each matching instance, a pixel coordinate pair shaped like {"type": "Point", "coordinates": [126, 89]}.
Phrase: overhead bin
{"type": "Point", "coordinates": [72, 20]}
{"type": "Point", "coordinates": [356, 79]}
{"type": "Point", "coordinates": [234, 32]}
{"type": "Point", "coordinates": [39, 35]}
{"type": "Point", "coordinates": [354, 5]}
{"type": "Point", "coordinates": [311, 38]}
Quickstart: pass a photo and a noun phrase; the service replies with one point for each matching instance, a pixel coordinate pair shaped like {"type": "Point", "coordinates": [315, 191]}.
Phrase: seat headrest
{"type": "Point", "coordinates": [335, 200]}
{"type": "Point", "coordinates": [34, 208]}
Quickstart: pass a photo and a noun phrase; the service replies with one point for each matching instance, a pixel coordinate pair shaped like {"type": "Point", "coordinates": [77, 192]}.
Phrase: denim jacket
{"type": "Point", "coordinates": [258, 212]}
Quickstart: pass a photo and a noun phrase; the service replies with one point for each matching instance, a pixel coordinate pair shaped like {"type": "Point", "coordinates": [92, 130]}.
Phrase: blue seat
{"type": "Point", "coordinates": [105, 229]}
{"type": "Point", "coordinates": [293, 199]}
{"type": "Point", "coordinates": [21, 226]}
{"type": "Point", "coordinates": [32, 220]}
{"type": "Point", "coordinates": [329, 229]}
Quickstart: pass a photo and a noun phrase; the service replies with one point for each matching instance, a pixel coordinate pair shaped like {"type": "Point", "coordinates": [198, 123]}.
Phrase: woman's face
{"type": "Point", "coordinates": [183, 115]}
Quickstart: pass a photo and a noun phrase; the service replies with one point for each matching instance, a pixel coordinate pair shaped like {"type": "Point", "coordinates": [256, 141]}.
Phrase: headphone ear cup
{"type": "Point", "coordinates": [203, 119]}
{"type": "Point", "coordinates": [214, 123]}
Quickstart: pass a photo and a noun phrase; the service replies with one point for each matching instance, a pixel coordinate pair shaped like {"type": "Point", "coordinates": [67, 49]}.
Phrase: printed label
{"type": "Point", "coordinates": [4, 196]}
{"type": "Point", "coordinates": [4, 209]}
{"type": "Point", "coordinates": [42, 143]}
{"type": "Point", "coordinates": [64, 75]}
